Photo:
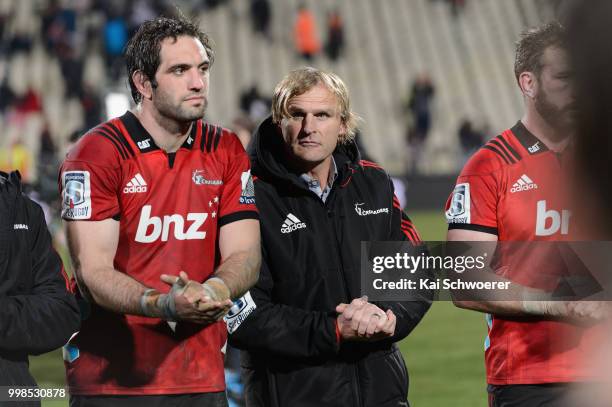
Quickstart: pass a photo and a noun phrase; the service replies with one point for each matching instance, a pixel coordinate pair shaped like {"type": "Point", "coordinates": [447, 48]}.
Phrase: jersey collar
{"type": "Point", "coordinates": [532, 144]}
{"type": "Point", "coordinates": [144, 141]}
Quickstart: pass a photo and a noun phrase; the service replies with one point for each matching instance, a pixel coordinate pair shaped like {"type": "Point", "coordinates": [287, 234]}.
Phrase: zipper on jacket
{"type": "Point", "coordinates": [330, 215]}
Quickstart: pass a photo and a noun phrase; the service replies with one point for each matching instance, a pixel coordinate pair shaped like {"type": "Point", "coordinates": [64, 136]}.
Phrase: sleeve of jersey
{"type": "Point", "coordinates": [238, 195]}
{"type": "Point", "coordinates": [473, 202]}
{"type": "Point", "coordinates": [89, 182]}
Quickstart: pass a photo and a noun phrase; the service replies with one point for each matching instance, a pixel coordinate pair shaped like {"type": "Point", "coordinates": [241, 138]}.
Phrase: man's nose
{"type": "Point", "coordinates": [308, 124]}
{"type": "Point", "coordinates": [196, 81]}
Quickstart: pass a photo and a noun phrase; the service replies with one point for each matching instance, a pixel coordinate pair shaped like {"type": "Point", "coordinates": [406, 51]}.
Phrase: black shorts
{"type": "Point", "coordinates": [167, 400]}
{"type": "Point", "coordinates": [528, 395]}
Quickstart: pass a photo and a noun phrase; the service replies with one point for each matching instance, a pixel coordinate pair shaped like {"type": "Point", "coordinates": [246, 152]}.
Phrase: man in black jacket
{"type": "Point", "coordinates": [38, 312]}
{"type": "Point", "coordinates": [308, 337]}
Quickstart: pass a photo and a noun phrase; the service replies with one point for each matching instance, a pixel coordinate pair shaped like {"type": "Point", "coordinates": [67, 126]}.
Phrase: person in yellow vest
{"type": "Point", "coordinates": [16, 156]}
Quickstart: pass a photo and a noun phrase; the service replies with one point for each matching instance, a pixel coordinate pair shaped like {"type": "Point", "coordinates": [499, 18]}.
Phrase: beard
{"type": "Point", "coordinates": [179, 111]}
{"type": "Point", "coordinates": [562, 118]}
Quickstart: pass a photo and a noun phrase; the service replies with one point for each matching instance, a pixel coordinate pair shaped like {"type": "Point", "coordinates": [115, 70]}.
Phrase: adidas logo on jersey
{"type": "Point", "coordinates": [524, 183]}
{"type": "Point", "coordinates": [291, 224]}
{"type": "Point", "coordinates": [137, 184]}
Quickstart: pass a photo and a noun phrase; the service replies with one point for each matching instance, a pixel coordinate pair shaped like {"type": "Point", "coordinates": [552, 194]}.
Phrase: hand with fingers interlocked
{"type": "Point", "coordinates": [363, 321]}
{"type": "Point", "coordinates": [206, 302]}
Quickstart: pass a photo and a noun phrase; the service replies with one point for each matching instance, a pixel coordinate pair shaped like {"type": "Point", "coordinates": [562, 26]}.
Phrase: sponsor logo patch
{"type": "Point", "coordinates": [292, 223]}
{"type": "Point", "coordinates": [76, 195]}
{"type": "Point", "coordinates": [524, 183]}
{"type": "Point", "coordinates": [136, 185]}
{"type": "Point", "coordinates": [534, 148]}
{"type": "Point", "coordinates": [144, 144]}
{"type": "Point", "coordinates": [459, 211]}
{"type": "Point", "coordinates": [248, 189]}
{"type": "Point", "coordinates": [242, 308]}
{"type": "Point", "coordinates": [365, 212]}
{"type": "Point", "coordinates": [198, 178]}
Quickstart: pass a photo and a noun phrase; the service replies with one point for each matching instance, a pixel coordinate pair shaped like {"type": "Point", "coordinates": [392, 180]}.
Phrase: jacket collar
{"type": "Point", "coordinates": [266, 152]}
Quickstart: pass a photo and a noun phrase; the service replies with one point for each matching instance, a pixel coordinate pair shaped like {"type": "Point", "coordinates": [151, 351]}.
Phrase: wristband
{"type": "Point", "coordinates": [144, 304]}
{"type": "Point", "coordinates": [167, 307]}
{"type": "Point", "coordinates": [216, 282]}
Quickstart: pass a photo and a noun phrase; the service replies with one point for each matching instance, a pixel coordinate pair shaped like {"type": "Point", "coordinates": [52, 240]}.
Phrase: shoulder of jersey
{"type": "Point", "coordinates": [103, 144]}
{"type": "Point", "coordinates": [497, 153]}
{"type": "Point", "coordinates": [216, 138]}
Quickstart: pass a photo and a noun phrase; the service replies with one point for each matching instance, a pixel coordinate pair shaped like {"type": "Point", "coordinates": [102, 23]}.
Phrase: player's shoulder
{"type": "Point", "coordinates": [496, 154]}
{"type": "Point", "coordinates": [104, 144]}
{"type": "Point", "coordinates": [219, 139]}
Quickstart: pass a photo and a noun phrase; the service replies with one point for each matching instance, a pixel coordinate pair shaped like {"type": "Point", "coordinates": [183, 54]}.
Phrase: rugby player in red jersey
{"type": "Point", "coordinates": [512, 190]}
{"type": "Point", "coordinates": [146, 196]}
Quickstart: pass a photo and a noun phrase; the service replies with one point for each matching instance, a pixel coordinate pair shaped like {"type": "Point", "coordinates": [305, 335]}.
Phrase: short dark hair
{"type": "Point", "coordinates": [533, 43]}
{"type": "Point", "coordinates": [142, 50]}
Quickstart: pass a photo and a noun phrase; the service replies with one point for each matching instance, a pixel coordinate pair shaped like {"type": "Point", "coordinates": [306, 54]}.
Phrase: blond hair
{"type": "Point", "coordinates": [302, 80]}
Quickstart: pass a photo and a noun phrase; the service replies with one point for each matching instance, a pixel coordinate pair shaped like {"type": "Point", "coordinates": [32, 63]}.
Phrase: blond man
{"type": "Point", "coordinates": [307, 335]}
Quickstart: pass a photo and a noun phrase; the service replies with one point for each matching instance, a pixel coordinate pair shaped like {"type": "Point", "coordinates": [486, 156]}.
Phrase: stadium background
{"type": "Point", "coordinates": [60, 74]}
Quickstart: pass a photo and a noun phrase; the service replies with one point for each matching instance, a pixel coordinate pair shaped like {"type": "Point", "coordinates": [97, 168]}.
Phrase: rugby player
{"type": "Point", "coordinates": [158, 191]}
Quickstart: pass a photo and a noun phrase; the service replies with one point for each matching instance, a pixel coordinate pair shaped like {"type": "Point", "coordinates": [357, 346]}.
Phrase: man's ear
{"type": "Point", "coordinates": [143, 84]}
{"type": "Point", "coordinates": [528, 83]}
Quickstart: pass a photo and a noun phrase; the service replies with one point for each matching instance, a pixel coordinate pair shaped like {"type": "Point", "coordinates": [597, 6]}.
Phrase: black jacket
{"type": "Point", "coordinates": [292, 357]}
{"type": "Point", "coordinates": [38, 313]}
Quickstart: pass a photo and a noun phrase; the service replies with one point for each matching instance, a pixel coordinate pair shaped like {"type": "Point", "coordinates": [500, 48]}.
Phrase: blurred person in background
{"type": "Point", "coordinates": [243, 127]}
{"type": "Point", "coordinates": [163, 193]}
{"type": "Point", "coordinates": [335, 35]}
{"type": "Point", "coordinates": [470, 139]}
{"type": "Point", "coordinates": [37, 308]}
{"type": "Point", "coordinates": [516, 188]}
{"type": "Point", "coordinates": [305, 34]}
{"type": "Point", "coordinates": [255, 105]}
{"type": "Point", "coordinates": [15, 155]}
{"type": "Point", "coordinates": [589, 28]}
{"type": "Point", "coordinates": [115, 38]}
{"type": "Point", "coordinates": [589, 23]}
{"type": "Point", "coordinates": [261, 16]}
{"type": "Point", "coordinates": [419, 108]}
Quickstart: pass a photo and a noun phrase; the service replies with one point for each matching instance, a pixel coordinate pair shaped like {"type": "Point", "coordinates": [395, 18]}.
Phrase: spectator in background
{"type": "Point", "coordinates": [456, 7]}
{"type": "Point", "coordinates": [419, 109]}
{"type": "Point", "coordinates": [305, 34]}
{"type": "Point", "coordinates": [72, 70]}
{"type": "Point", "coordinates": [261, 14]}
{"type": "Point", "coordinates": [243, 127]}
{"type": "Point", "coordinates": [16, 156]}
{"type": "Point", "coordinates": [46, 163]}
{"type": "Point", "coordinates": [335, 35]}
{"type": "Point", "coordinates": [115, 38]}
{"type": "Point", "coordinates": [256, 106]}
{"type": "Point", "coordinates": [92, 106]}
{"type": "Point", "coordinates": [470, 139]}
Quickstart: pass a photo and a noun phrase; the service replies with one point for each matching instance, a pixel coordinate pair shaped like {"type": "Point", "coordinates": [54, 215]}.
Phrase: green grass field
{"type": "Point", "coordinates": [444, 354]}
